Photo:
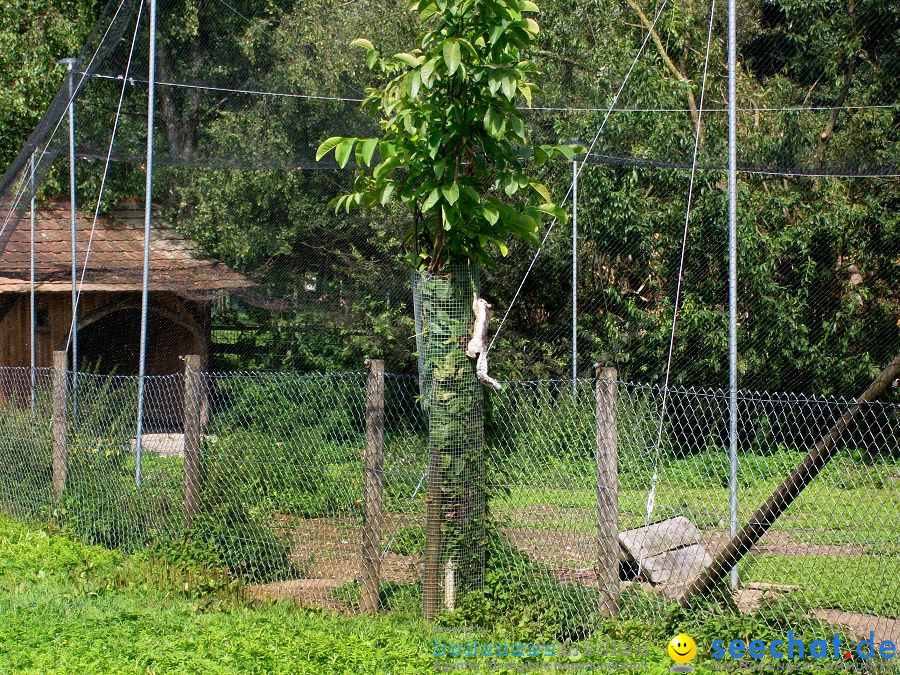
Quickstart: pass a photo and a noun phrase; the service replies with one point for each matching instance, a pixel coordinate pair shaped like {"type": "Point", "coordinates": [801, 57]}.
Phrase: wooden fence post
{"type": "Point", "coordinates": [193, 381]}
{"type": "Point", "coordinates": [606, 456]}
{"type": "Point", "coordinates": [60, 405]}
{"type": "Point", "coordinates": [373, 456]}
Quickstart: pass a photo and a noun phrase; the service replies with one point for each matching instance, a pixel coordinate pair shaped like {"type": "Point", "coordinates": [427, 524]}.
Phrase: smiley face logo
{"type": "Point", "coordinates": [681, 650]}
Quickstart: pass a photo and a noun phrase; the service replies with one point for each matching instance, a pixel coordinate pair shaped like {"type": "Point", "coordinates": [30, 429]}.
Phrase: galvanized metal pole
{"type": "Point", "coordinates": [70, 69]}
{"type": "Point", "coordinates": [33, 299]}
{"type": "Point", "coordinates": [574, 277]}
{"type": "Point", "coordinates": [732, 274]}
{"type": "Point", "coordinates": [148, 219]}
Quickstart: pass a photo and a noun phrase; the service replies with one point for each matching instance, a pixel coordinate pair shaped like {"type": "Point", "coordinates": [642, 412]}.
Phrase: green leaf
{"type": "Point", "coordinates": [494, 122]}
{"type": "Point", "coordinates": [528, 6]}
{"type": "Point", "coordinates": [452, 55]}
{"type": "Point", "coordinates": [362, 42]}
{"type": "Point", "coordinates": [387, 193]}
{"type": "Point", "coordinates": [327, 146]}
{"type": "Point", "coordinates": [518, 126]}
{"type": "Point", "coordinates": [495, 79]}
{"type": "Point", "coordinates": [426, 10]}
{"type": "Point", "coordinates": [415, 81]}
{"type": "Point", "coordinates": [388, 165]}
{"type": "Point", "coordinates": [343, 150]}
{"type": "Point", "coordinates": [431, 200]}
{"type": "Point", "coordinates": [553, 210]}
{"type": "Point", "coordinates": [542, 190]}
{"type": "Point", "coordinates": [451, 193]}
{"type": "Point", "coordinates": [366, 150]}
{"type": "Point", "coordinates": [447, 217]}
{"type": "Point", "coordinates": [428, 71]}
{"type": "Point", "coordinates": [408, 59]}
{"type": "Point", "coordinates": [490, 213]}
{"type": "Point", "coordinates": [525, 88]}
{"type": "Point", "coordinates": [566, 151]}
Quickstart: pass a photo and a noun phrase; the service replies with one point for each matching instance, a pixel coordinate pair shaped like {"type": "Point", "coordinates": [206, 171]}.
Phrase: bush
{"type": "Point", "coordinates": [26, 450]}
{"type": "Point", "coordinates": [237, 510]}
{"type": "Point", "coordinates": [287, 405]}
{"type": "Point", "coordinates": [306, 476]}
{"type": "Point", "coordinates": [525, 597]}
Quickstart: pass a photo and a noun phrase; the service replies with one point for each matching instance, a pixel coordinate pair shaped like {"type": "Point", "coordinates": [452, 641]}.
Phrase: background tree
{"type": "Point", "coordinates": [818, 273]}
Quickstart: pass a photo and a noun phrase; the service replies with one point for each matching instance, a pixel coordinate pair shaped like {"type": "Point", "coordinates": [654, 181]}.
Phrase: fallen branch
{"type": "Point", "coordinates": [692, 102]}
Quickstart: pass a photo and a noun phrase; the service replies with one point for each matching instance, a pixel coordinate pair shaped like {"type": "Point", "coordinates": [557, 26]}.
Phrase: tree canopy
{"type": "Point", "coordinates": [818, 276]}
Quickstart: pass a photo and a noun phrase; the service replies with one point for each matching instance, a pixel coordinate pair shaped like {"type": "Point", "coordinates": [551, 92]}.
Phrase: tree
{"type": "Point", "coordinates": [34, 36]}
{"type": "Point", "coordinates": [453, 150]}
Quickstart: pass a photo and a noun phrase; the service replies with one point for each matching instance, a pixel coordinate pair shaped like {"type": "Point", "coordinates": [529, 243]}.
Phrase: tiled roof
{"type": "Point", "coordinates": [116, 255]}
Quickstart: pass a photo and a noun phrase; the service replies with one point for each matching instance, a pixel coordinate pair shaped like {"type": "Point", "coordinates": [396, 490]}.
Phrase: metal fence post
{"type": "Point", "coordinates": [60, 404]}
{"type": "Point", "coordinates": [373, 456]}
{"type": "Point", "coordinates": [193, 365]}
{"type": "Point", "coordinates": [73, 184]}
{"type": "Point", "coordinates": [605, 453]}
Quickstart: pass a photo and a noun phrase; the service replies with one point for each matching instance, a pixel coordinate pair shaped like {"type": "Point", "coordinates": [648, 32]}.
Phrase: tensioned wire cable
{"type": "Point", "coordinates": [345, 99]}
{"type": "Point", "coordinates": [75, 89]}
{"type": "Point", "coordinates": [580, 169]}
{"type": "Point", "coordinates": [651, 495]}
{"type": "Point", "coordinates": [112, 140]}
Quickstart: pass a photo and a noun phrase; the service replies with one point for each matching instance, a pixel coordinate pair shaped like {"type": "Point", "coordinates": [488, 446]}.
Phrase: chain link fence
{"type": "Point", "coordinates": [600, 502]}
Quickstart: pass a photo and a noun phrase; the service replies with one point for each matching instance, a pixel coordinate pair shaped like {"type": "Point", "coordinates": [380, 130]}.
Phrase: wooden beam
{"type": "Point", "coordinates": [60, 406]}
{"type": "Point", "coordinates": [193, 381]}
{"type": "Point", "coordinates": [373, 457]}
{"type": "Point", "coordinates": [607, 474]}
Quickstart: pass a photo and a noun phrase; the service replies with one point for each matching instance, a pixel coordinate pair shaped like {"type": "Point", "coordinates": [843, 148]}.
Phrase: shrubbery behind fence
{"type": "Point", "coordinates": [283, 479]}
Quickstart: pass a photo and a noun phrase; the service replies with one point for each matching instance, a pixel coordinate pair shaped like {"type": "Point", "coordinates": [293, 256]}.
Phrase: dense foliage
{"type": "Point", "coordinates": [818, 275]}
{"type": "Point", "coordinates": [452, 129]}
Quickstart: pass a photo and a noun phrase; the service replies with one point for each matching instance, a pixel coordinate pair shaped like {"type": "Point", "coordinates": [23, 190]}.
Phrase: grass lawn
{"type": "Point", "coordinates": [66, 607]}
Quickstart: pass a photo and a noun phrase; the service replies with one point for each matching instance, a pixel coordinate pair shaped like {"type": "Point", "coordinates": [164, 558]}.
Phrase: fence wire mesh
{"type": "Point", "coordinates": [568, 474]}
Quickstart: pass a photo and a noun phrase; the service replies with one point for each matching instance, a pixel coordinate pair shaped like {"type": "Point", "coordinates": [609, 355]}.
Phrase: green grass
{"type": "Point", "coordinates": [821, 515]}
{"type": "Point", "coordinates": [866, 584]}
{"type": "Point", "coordinates": [67, 607]}
{"type": "Point", "coordinates": [858, 518]}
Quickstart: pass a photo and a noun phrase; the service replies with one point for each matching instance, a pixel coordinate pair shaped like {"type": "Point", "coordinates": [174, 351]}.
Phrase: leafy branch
{"type": "Point", "coordinates": [453, 145]}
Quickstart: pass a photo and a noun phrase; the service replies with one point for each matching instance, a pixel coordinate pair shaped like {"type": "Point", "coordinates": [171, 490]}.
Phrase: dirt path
{"type": "Point", "coordinates": [327, 551]}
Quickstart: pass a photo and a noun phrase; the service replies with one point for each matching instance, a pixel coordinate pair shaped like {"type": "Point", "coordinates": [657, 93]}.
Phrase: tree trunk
{"type": "Point", "coordinates": [457, 504]}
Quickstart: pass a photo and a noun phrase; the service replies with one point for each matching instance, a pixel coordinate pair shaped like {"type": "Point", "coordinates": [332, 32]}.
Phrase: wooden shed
{"type": "Point", "coordinates": [181, 285]}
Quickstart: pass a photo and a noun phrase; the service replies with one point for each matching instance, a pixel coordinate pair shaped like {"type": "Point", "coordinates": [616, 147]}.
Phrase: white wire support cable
{"type": "Point", "coordinates": [404, 513]}
{"type": "Point", "coordinates": [229, 90]}
{"type": "Point", "coordinates": [112, 141]}
{"type": "Point", "coordinates": [801, 174]}
{"type": "Point", "coordinates": [821, 108]}
{"type": "Point", "coordinates": [561, 109]}
{"type": "Point", "coordinates": [580, 168]}
{"type": "Point", "coordinates": [651, 495]}
{"type": "Point", "coordinates": [44, 152]}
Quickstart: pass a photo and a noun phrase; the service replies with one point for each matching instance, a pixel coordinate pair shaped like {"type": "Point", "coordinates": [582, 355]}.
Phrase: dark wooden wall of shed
{"type": "Point", "coordinates": [108, 328]}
